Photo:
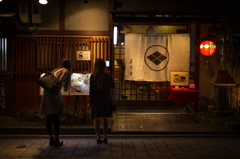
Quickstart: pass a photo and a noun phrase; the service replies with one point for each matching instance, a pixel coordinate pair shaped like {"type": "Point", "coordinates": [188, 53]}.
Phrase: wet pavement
{"type": "Point", "coordinates": [133, 133]}
{"type": "Point", "coordinates": [138, 147]}
{"type": "Point", "coordinates": [126, 121]}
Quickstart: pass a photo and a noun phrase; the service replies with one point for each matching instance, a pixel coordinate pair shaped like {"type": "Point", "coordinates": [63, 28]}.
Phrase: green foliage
{"type": "Point", "coordinates": [228, 118]}
{"type": "Point", "coordinates": [228, 32]}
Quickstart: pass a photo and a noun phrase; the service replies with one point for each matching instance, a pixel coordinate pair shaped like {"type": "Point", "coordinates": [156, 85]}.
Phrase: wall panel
{"type": "Point", "coordinates": [33, 55]}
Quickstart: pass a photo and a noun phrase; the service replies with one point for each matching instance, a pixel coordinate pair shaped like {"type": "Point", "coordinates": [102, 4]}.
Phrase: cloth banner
{"type": "Point", "coordinates": [152, 57]}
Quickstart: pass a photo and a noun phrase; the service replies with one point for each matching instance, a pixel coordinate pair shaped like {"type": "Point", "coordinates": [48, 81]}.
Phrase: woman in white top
{"type": "Point", "coordinates": [52, 104]}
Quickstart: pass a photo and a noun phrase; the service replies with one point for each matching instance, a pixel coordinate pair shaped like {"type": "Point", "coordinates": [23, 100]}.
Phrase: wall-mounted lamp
{"type": "Point", "coordinates": [85, 1]}
{"type": "Point", "coordinates": [115, 29]}
{"type": "Point", "coordinates": [1, 0]}
{"type": "Point", "coordinates": [43, 2]}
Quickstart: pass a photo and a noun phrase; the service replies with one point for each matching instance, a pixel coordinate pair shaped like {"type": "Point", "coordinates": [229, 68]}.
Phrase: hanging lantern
{"type": "Point", "coordinates": [207, 48]}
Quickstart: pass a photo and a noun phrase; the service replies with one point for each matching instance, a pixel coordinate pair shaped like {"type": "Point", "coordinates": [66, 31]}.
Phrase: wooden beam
{"type": "Point", "coordinates": [71, 32]}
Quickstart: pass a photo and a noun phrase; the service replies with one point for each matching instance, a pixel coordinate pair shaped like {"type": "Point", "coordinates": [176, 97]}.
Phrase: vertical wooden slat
{"type": "Point", "coordinates": [47, 54]}
{"type": "Point", "coordinates": [74, 54]}
{"type": "Point", "coordinates": [91, 54]}
{"type": "Point", "coordinates": [109, 50]}
{"type": "Point", "coordinates": [54, 53]}
{"type": "Point", "coordinates": [44, 54]}
{"type": "Point", "coordinates": [69, 48]}
{"type": "Point", "coordinates": [102, 46]}
{"type": "Point", "coordinates": [40, 53]}
{"type": "Point", "coordinates": [81, 61]}
{"type": "Point", "coordinates": [95, 51]}
{"type": "Point", "coordinates": [81, 69]}
{"type": "Point", "coordinates": [24, 55]}
{"type": "Point", "coordinates": [27, 55]}
{"type": "Point", "coordinates": [33, 56]}
{"type": "Point", "coordinates": [105, 50]}
{"type": "Point", "coordinates": [85, 62]}
{"type": "Point", "coordinates": [13, 54]}
{"type": "Point", "coordinates": [20, 55]}
{"type": "Point", "coordinates": [37, 55]}
{"type": "Point", "coordinates": [30, 66]}
{"type": "Point", "coordinates": [51, 53]}
{"type": "Point", "coordinates": [81, 43]}
{"type": "Point", "coordinates": [64, 47]}
{"type": "Point", "coordinates": [58, 54]}
{"type": "Point", "coordinates": [99, 47]}
{"type": "Point", "coordinates": [61, 48]}
{"type": "Point", "coordinates": [78, 48]}
{"type": "Point", "coordinates": [48, 59]}
{"type": "Point", "coordinates": [89, 48]}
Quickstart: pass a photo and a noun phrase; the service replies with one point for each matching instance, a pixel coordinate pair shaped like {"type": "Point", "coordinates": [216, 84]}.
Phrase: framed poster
{"type": "Point", "coordinates": [179, 78]}
{"type": "Point", "coordinates": [41, 89]}
{"type": "Point", "coordinates": [80, 84]}
{"type": "Point", "coordinates": [83, 55]}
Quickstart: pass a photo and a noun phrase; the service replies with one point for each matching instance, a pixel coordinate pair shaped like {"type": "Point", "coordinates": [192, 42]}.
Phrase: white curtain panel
{"type": "Point", "coordinates": [152, 57]}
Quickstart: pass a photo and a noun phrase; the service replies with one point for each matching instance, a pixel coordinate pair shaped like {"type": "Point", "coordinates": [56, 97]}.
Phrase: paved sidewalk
{"type": "Point", "coordinates": [123, 148]}
{"type": "Point", "coordinates": [125, 121]}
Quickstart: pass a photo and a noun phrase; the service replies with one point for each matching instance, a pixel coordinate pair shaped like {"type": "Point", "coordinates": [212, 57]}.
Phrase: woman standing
{"type": "Point", "coordinates": [52, 104]}
{"type": "Point", "coordinates": [100, 94]}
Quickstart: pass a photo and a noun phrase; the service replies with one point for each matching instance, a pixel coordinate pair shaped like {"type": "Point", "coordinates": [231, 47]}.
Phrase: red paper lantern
{"type": "Point", "coordinates": [207, 48]}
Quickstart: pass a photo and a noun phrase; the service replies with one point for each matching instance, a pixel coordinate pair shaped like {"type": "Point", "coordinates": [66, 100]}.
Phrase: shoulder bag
{"type": "Point", "coordinates": [49, 82]}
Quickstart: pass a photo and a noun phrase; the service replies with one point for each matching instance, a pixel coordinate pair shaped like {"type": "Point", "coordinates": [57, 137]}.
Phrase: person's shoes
{"type": "Point", "coordinates": [99, 141]}
{"type": "Point", "coordinates": [58, 143]}
{"type": "Point", "coordinates": [51, 142]}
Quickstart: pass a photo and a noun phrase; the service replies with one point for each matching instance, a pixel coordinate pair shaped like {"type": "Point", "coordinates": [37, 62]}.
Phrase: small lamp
{"type": "Point", "coordinates": [221, 80]}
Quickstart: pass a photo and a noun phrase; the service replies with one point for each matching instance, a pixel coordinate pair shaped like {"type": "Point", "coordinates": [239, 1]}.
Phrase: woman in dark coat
{"type": "Point", "coordinates": [100, 97]}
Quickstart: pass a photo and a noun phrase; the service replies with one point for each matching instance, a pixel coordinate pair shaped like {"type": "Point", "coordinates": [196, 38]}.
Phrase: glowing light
{"type": "Point", "coordinates": [207, 48]}
{"type": "Point", "coordinates": [115, 35]}
{"type": "Point", "coordinates": [43, 2]}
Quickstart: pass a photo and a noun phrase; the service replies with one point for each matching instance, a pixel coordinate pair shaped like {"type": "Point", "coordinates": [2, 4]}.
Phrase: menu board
{"type": "Point", "coordinates": [79, 85]}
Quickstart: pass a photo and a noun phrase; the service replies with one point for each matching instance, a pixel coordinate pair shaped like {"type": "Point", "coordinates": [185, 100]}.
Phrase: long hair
{"type": "Point", "coordinates": [65, 63]}
{"type": "Point", "coordinates": [99, 72]}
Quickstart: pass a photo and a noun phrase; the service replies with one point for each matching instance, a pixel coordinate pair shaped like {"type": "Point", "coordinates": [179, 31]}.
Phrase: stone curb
{"type": "Point", "coordinates": [233, 125]}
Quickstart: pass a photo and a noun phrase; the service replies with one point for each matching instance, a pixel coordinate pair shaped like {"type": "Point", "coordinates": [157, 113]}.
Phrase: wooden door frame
{"type": "Point", "coordinates": [157, 22]}
{"type": "Point", "coordinates": [8, 80]}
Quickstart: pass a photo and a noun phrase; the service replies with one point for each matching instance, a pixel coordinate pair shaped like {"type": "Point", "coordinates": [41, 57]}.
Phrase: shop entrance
{"type": "Point", "coordinates": [133, 93]}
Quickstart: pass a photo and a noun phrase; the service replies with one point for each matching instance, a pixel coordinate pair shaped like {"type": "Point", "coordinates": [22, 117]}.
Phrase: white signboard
{"type": "Point", "coordinates": [83, 55]}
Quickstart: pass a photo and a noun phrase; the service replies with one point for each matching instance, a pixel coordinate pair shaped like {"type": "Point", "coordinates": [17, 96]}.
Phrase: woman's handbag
{"type": "Point", "coordinates": [49, 82]}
